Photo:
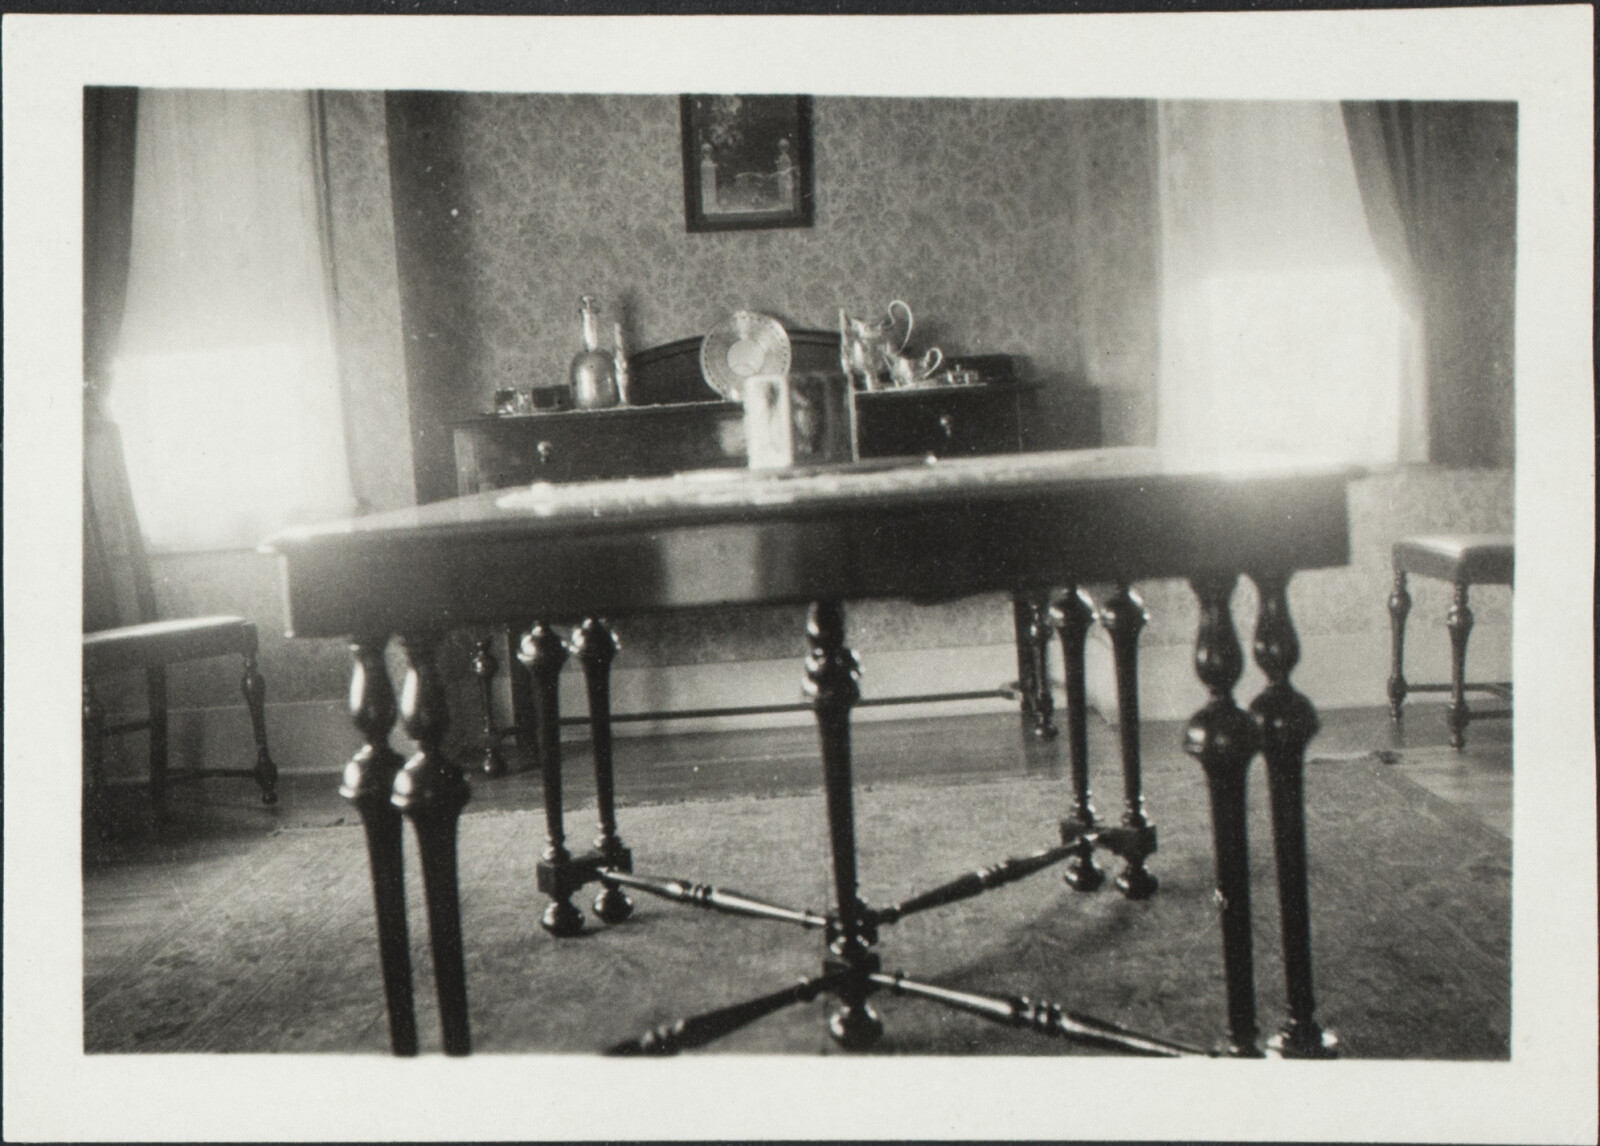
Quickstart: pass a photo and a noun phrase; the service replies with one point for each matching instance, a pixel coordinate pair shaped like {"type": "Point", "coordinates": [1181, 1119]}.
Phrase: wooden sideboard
{"type": "Point", "coordinates": [678, 423]}
{"type": "Point", "coordinates": [653, 441]}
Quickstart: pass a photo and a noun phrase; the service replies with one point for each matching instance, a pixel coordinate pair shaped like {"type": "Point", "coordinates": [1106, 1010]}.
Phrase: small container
{"type": "Point", "coordinates": [558, 397]}
{"type": "Point", "coordinates": [799, 420]}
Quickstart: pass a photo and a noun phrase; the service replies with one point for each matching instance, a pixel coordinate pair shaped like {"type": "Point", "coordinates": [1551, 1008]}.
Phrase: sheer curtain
{"type": "Point", "coordinates": [1282, 328]}
{"type": "Point", "coordinates": [225, 379]}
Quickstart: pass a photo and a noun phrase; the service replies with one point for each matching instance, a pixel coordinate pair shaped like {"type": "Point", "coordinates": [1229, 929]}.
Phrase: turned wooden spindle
{"type": "Point", "coordinates": [1124, 618]}
{"type": "Point", "coordinates": [686, 1034]}
{"type": "Point", "coordinates": [832, 679]}
{"type": "Point", "coordinates": [1399, 610]}
{"type": "Point", "coordinates": [430, 791]}
{"type": "Point", "coordinates": [1288, 721]}
{"type": "Point", "coordinates": [369, 784]}
{"type": "Point", "coordinates": [484, 667]}
{"type": "Point", "coordinates": [595, 645]}
{"type": "Point", "coordinates": [1071, 616]}
{"type": "Point", "coordinates": [1459, 621]}
{"type": "Point", "coordinates": [1040, 1017]}
{"type": "Point", "coordinates": [1031, 621]}
{"type": "Point", "coordinates": [543, 653]}
{"type": "Point", "coordinates": [1224, 739]}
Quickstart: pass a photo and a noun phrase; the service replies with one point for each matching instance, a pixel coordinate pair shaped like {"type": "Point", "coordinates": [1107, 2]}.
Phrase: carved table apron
{"type": "Point", "coordinates": [928, 531]}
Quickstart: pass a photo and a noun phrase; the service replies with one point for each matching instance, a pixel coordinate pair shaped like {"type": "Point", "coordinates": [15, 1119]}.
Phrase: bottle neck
{"type": "Point", "coordinates": [591, 332]}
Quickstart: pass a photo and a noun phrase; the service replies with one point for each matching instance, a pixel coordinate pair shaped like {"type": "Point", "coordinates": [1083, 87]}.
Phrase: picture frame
{"type": "Point", "coordinates": [746, 162]}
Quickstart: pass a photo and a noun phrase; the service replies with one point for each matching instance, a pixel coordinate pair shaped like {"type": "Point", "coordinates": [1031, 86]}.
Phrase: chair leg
{"type": "Point", "coordinates": [94, 730]}
{"type": "Point", "coordinates": [156, 695]}
{"type": "Point", "coordinates": [255, 699]}
{"type": "Point", "coordinates": [1399, 609]}
{"type": "Point", "coordinates": [1459, 621]}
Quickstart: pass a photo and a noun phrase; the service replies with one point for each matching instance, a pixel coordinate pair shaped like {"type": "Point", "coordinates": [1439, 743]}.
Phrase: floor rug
{"type": "Point", "coordinates": [275, 951]}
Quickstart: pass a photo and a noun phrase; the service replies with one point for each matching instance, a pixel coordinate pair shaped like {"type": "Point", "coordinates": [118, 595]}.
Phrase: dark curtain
{"type": "Point", "coordinates": [109, 122]}
{"type": "Point", "coordinates": [1384, 149]}
{"type": "Point", "coordinates": [1438, 181]}
{"type": "Point", "coordinates": [110, 118]}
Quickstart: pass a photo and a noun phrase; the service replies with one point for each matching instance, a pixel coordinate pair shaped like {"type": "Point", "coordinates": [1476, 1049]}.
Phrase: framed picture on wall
{"type": "Point", "coordinates": [746, 162]}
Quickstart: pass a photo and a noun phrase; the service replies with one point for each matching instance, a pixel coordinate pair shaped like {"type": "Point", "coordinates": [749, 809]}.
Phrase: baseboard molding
{"type": "Point", "coordinates": [1336, 671]}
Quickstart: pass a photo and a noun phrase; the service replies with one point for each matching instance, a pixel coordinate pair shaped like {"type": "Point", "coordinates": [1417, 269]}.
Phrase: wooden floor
{"type": "Point", "coordinates": [137, 876]}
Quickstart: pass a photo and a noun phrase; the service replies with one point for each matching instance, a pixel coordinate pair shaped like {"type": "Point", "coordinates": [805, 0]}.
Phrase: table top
{"type": "Point", "coordinates": [888, 527]}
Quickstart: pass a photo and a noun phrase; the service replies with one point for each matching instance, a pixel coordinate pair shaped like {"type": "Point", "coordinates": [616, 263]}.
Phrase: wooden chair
{"type": "Point", "coordinates": [121, 631]}
{"type": "Point", "coordinates": [1463, 561]}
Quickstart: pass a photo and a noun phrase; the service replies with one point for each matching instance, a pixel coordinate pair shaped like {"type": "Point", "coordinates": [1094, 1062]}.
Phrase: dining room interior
{"type": "Point", "coordinates": [302, 307]}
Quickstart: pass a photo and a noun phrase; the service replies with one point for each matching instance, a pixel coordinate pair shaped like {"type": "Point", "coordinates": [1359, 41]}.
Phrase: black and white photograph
{"type": "Point", "coordinates": [972, 596]}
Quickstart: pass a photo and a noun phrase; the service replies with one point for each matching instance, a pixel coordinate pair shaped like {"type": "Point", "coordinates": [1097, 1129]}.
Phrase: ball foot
{"type": "Point", "coordinates": [855, 1026]}
{"type": "Point", "coordinates": [1136, 882]}
{"type": "Point", "coordinates": [1081, 874]}
{"type": "Point", "coordinates": [1303, 1041]}
{"type": "Point", "coordinates": [611, 905]}
{"type": "Point", "coordinates": [561, 919]}
{"type": "Point", "coordinates": [494, 763]}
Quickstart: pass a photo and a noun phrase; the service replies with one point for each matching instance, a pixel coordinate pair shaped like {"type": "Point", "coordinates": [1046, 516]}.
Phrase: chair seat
{"type": "Point", "coordinates": [166, 642]}
{"type": "Point", "coordinates": [1470, 558]}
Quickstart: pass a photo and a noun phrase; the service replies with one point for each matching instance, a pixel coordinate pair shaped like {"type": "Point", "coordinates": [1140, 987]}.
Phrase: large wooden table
{"type": "Point", "coordinates": [922, 531]}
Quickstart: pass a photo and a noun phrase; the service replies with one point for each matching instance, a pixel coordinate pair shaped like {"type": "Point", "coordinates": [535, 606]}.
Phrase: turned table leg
{"type": "Point", "coordinates": [832, 684]}
{"type": "Point", "coordinates": [596, 647]}
{"type": "Point", "coordinates": [543, 652]}
{"type": "Point", "coordinates": [484, 667]}
{"type": "Point", "coordinates": [1031, 621]}
{"type": "Point", "coordinates": [1071, 616]}
{"type": "Point", "coordinates": [1288, 722]}
{"type": "Point", "coordinates": [1224, 739]}
{"type": "Point", "coordinates": [431, 791]}
{"type": "Point", "coordinates": [369, 784]}
{"type": "Point", "coordinates": [1124, 619]}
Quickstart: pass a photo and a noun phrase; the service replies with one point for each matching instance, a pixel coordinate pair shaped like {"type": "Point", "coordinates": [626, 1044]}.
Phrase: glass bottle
{"type": "Point", "coordinates": [619, 359]}
{"type": "Point", "coordinates": [594, 382]}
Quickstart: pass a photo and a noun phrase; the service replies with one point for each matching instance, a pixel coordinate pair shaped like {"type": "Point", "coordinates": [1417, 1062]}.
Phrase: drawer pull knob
{"type": "Point", "coordinates": [545, 449]}
{"type": "Point", "coordinates": [947, 423]}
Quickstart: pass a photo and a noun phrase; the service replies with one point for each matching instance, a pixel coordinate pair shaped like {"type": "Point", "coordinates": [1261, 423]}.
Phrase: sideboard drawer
{"type": "Point", "coordinates": [944, 422]}
{"type": "Point", "coordinates": [650, 441]}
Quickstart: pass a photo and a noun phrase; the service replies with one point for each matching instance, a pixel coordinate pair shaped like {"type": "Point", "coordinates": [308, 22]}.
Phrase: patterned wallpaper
{"type": "Point", "coordinates": [1023, 226]}
{"type": "Point", "coordinates": [967, 209]}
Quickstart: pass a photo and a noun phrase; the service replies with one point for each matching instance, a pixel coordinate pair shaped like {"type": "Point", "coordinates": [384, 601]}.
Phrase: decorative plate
{"type": "Point", "coordinates": [745, 345]}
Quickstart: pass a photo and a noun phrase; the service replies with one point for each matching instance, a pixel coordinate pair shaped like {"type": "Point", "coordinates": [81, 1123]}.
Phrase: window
{"type": "Point", "coordinates": [1281, 329]}
{"type": "Point", "coordinates": [225, 381]}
